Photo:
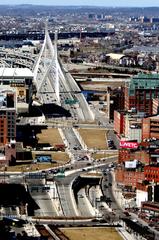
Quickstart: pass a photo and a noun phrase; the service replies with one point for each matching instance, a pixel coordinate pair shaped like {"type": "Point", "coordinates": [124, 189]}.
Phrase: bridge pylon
{"type": "Point", "coordinates": [47, 67]}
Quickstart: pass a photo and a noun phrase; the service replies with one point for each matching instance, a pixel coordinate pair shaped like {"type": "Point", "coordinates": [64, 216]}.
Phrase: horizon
{"type": "Point", "coordinates": [83, 3]}
{"type": "Point", "coordinates": [71, 5]}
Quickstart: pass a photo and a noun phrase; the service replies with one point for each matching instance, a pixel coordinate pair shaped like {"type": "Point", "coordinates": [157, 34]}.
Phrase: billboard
{"type": "Point", "coordinates": [130, 164]}
{"type": "Point", "coordinates": [131, 145]}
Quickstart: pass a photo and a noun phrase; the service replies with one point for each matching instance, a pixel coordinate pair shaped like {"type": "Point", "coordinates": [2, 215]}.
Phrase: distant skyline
{"type": "Point", "coordinates": [111, 3]}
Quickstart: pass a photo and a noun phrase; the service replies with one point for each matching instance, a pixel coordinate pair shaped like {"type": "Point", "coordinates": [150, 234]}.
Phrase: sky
{"type": "Point", "coordinates": [112, 3]}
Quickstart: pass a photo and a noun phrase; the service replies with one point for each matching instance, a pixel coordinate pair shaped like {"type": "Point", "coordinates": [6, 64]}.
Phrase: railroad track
{"type": "Point", "coordinates": [44, 232]}
{"type": "Point", "coordinates": [58, 233]}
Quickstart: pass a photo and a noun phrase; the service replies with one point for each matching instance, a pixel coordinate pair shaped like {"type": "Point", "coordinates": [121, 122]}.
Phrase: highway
{"type": "Point", "coordinates": [129, 70]}
{"type": "Point", "coordinates": [108, 193]}
{"type": "Point", "coordinates": [12, 57]}
{"type": "Point", "coordinates": [67, 200]}
{"type": "Point", "coordinates": [42, 196]}
{"type": "Point", "coordinates": [45, 203]}
{"type": "Point", "coordinates": [73, 142]}
{"type": "Point", "coordinates": [55, 85]}
{"type": "Point", "coordinates": [65, 192]}
{"type": "Point", "coordinates": [83, 204]}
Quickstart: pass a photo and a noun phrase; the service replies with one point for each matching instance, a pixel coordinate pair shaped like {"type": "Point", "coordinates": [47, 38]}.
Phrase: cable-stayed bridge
{"type": "Point", "coordinates": [55, 84]}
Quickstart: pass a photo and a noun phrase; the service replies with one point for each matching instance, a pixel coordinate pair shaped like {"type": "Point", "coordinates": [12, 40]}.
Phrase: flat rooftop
{"type": "Point", "coordinates": [16, 72]}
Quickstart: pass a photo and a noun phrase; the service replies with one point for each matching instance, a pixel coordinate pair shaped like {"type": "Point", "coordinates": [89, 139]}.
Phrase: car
{"type": "Point", "coordinates": [94, 220]}
{"type": "Point", "coordinates": [108, 200]}
{"type": "Point", "coordinates": [134, 220]}
{"type": "Point", "coordinates": [127, 214]}
{"type": "Point", "coordinates": [89, 164]}
{"type": "Point", "coordinates": [102, 221]}
{"type": "Point", "coordinates": [81, 196]}
{"type": "Point", "coordinates": [113, 147]}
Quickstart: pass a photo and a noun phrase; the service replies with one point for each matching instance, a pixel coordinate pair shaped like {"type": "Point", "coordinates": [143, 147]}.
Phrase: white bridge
{"type": "Point", "coordinates": [55, 84]}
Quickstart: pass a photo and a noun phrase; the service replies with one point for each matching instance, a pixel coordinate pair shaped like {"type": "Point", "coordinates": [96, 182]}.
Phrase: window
{"type": "Point", "coordinates": [21, 93]}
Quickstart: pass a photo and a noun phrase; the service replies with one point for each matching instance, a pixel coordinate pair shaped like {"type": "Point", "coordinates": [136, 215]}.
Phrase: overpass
{"type": "Point", "coordinates": [63, 35]}
{"type": "Point", "coordinates": [101, 75]}
{"type": "Point", "coordinates": [13, 58]}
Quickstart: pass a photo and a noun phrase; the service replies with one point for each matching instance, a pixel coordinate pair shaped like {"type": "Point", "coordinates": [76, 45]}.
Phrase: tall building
{"type": "Point", "coordinates": [140, 92]}
{"type": "Point", "coordinates": [127, 125]}
{"type": "Point", "coordinates": [21, 79]}
{"type": "Point", "coordinates": [7, 116]}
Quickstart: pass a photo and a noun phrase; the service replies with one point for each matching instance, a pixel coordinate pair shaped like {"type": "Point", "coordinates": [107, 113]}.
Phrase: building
{"type": "Point", "coordinates": [114, 58]}
{"type": "Point", "coordinates": [132, 127]}
{"type": "Point", "coordinates": [129, 177]}
{"type": "Point", "coordinates": [127, 125]}
{"type": "Point", "coordinates": [141, 193]}
{"type": "Point", "coordinates": [7, 125]}
{"type": "Point", "coordinates": [118, 121]}
{"type": "Point", "coordinates": [116, 100]}
{"type": "Point", "coordinates": [151, 208]}
{"type": "Point", "coordinates": [20, 79]}
{"type": "Point", "coordinates": [151, 173]}
{"type": "Point", "coordinates": [10, 153]}
{"type": "Point", "coordinates": [140, 92]}
{"type": "Point", "coordinates": [125, 155]}
{"type": "Point", "coordinates": [150, 127]}
{"type": "Point", "coordinates": [131, 154]}
{"type": "Point", "coordinates": [155, 106]}
{"type": "Point", "coordinates": [7, 116]}
{"type": "Point", "coordinates": [154, 20]}
{"type": "Point", "coordinates": [145, 19]}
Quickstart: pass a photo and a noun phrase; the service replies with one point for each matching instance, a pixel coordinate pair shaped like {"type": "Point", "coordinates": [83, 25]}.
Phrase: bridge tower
{"type": "Point", "coordinates": [46, 68]}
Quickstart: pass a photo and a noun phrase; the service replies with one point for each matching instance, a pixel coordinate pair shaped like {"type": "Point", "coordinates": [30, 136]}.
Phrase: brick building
{"type": "Point", "coordinates": [117, 98]}
{"type": "Point", "coordinates": [127, 125]}
{"type": "Point", "coordinates": [129, 177]}
{"type": "Point", "coordinates": [152, 173]}
{"type": "Point", "coordinates": [125, 155]}
{"type": "Point", "coordinates": [7, 117]}
{"type": "Point", "coordinates": [119, 122]}
{"type": "Point", "coordinates": [129, 154]}
{"type": "Point", "coordinates": [140, 91]}
{"type": "Point", "coordinates": [150, 127]}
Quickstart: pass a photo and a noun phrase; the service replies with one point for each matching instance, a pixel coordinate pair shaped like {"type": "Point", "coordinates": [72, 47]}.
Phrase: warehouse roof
{"type": "Point", "coordinates": [115, 56]}
{"type": "Point", "coordinates": [15, 72]}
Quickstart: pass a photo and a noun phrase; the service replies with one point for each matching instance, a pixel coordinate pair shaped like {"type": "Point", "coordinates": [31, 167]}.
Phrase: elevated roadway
{"type": "Point", "coordinates": [67, 200]}
{"type": "Point", "coordinates": [55, 85]}
{"type": "Point", "coordinates": [45, 203]}
{"type": "Point", "coordinates": [65, 192]}
{"type": "Point", "coordinates": [12, 58]}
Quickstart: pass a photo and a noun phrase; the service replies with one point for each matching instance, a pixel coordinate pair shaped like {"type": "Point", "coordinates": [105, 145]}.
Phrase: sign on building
{"type": "Point", "coordinates": [131, 145]}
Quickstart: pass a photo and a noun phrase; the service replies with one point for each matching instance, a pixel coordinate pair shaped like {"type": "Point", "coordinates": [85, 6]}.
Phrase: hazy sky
{"type": "Point", "coordinates": [134, 3]}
